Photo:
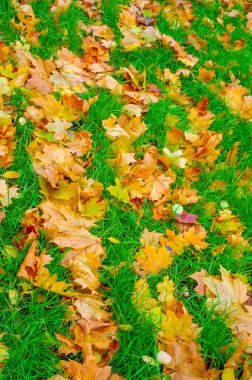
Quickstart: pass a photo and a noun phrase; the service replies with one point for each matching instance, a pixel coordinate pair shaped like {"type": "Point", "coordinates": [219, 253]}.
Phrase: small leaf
{"type": "Point", "coordinates": [113, 240]}
{"type": "Point", "coordinates": [11, 175]}
{"type": "Point", "coordinates": [10, 251]}
{"type": "Point", "coordinates": [118, 192]}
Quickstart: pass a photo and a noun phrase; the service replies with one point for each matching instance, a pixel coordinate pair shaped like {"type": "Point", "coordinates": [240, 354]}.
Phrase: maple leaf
{"type": "Point", "coordinates": [7, 193]}
{"type": "Point", "coordinates": [11, 175]}
{"type": "Point", "coordinates": [194, 237]}
{"type": "Point", "coordinates": [94, 208]}
{"type": "Point", "coordinates": [165, 290]}
{"type": "Point", "coordinates": [228, 293]}
{"type": "Point", "coordinates": [173, 242]}
{"type": "Point", "coordinates": [84, 270]}
{"type": "Point", "coordinates": [69, 108]}
{"type": "Point", "coordinates": [39, 82]}
{"type": "Point", "coordinates": [236, 99]}
{"type": "Point", "coordinates": [68, 346]}
{"type": "Point", "coordinates": [199, 277]}
{"type": "Point", "coordinates": [54, 162]}
{"type": "Point", "coordinates": [177, 328]}
{"type": "Point", "coordinates": [4, 86]}
{"type": "Point", "coordinates": [181, 54]}
{"type": "Point", "coordinates": [184, 195]}
{"type": "Point", "coordinates": [79, 143]}
{"type": "Point", "coordinates": [141, 298]}
{"type": "Point", "coordinates": [186, 362]}
{"type": "Point", "coordinates": [157, 186]}
{"type": "Point", "coordinates": [88, 370]}
{"type": "Point", "coordinates": [200, 117]}
{"type": "Point", "coordinates": [59, 128]}
{"type": "Point", "coordinates": [94, 337]}
{"type": "Point", "coordinates": [28, 21]}
{"type": "Point", "coordinates": [153, 260]}
{"type": "Point", "coordinates": [60, 6]}
{"type": "Point", "coordinates": [132, 110]}
{"type": "Point", "coordinates": [61, 218]}
{"type": "Point", "coordinates": [122, 128]}
{"type": "Point", "coordinates": [81, 239]}
{"type": "Point", "coordinates": [241, 325]}
{"type": "Point", "coordinates": [91, 308]}
{"type": "Point", "coordinates": [33, 269]}
{"type": "Point", "coordinates": [227, 223]}
{"type": "Point", "coordinates": [228, 374]}
{"type": "Point", "coordinates": [118, 192]}
{"type": "Point", "coordinates": [2, 215]}
{"type": "Point", "coordinates": [180, 13]}
{"type": "Point", "coordinates": [150, 238]}
{"type": "Point", "coordinates": [205, 75]}
{"type": "Point", "coordinates": [107, 81]}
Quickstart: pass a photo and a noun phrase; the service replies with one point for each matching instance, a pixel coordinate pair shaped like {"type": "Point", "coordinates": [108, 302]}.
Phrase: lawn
{"type": "Point", "coordinates": [125, 190]}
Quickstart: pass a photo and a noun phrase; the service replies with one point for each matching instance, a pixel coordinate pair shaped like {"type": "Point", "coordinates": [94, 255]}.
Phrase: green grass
{"type": "Point", "coordinates": [30, 324]}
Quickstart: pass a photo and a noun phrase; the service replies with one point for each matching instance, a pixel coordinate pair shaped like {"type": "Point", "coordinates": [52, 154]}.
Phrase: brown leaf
{"type": "Point", "coordinates": [186, 362]}
{"type": "Point", "coordinates": [87, 370]}
{"type": "Point", "coordinates": [227, 293]}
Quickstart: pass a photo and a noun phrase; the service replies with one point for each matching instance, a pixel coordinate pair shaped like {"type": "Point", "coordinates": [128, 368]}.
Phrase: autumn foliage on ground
{"type": "Point", "coordinates": [125, 190]}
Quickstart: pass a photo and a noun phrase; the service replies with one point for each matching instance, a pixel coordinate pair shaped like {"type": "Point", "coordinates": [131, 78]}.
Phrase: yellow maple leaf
{"type": "Point", "coordinates": [165, 290]}
{"type": "Point", "coordinates": [153, 260]}
{"type": "Point", "coordinates": [142, 297]}
{"type": "Point", "coordinates": [176, 329]}
{"type": "Point", "coordinates": [118, 192]}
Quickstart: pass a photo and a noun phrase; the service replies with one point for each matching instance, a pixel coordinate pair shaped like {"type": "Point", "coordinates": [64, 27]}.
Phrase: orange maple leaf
{"type": "Point", "coordinates": [152, 260]}
{"type": "Point", "coordinates": [33, 269]}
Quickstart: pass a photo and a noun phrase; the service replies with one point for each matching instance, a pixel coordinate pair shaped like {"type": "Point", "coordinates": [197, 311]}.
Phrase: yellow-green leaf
{"type": "Point", "coordinates": [118, 192]}
{"type": "Point", "coordinates": [113, 240]}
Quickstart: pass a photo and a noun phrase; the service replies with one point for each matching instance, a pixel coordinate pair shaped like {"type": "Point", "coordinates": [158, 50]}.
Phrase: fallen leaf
{"type": "Point", "coordinates": [118, 192]}
{"type": "Point", "coordinates": [7, 193]}
{"type": "Point", "coordinates": [153, 260]}
{"type": "Point", "coordinates": [10, 175]}
{"type": "Point", "coordinates": [228, 374]}
{"type": "Point", "coordinates": [228, 293]}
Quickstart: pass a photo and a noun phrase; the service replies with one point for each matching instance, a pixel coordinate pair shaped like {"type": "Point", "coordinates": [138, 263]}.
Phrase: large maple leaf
{"type": "Point", "coordinates": [228, 293]}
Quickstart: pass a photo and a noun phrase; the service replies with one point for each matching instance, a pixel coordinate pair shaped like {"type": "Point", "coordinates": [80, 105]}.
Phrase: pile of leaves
{"type": "Point", "coordinates": [161, 179]}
